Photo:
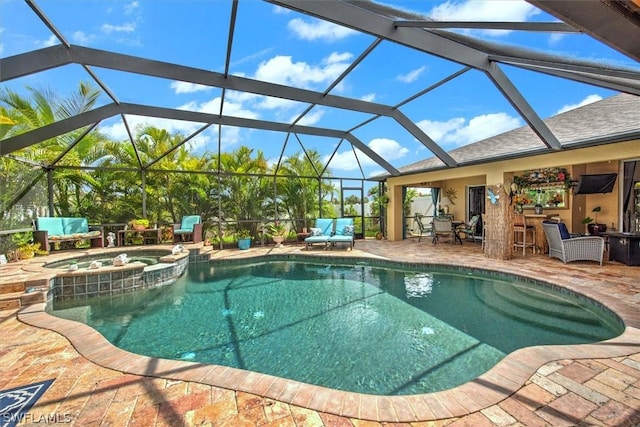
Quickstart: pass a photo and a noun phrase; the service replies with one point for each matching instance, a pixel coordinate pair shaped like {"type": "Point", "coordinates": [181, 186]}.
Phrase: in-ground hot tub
{"type": "Point", "coordinates": [145, 269]}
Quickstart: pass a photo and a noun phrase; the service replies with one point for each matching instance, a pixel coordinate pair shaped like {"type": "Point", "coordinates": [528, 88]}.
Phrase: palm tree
{"type": "Point", "coordinates": [299, 196]}
{"type": "Point", "coordinates": [244, 192]}
{"type": "Point", "coordinates": [21, 114]}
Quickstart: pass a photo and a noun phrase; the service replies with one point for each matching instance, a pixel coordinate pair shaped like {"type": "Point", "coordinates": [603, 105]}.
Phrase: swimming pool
{"type": "Point", "coordinates": [361, 328]}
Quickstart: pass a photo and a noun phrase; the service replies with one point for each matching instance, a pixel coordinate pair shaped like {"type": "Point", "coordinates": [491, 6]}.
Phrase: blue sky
{"type": "Point", "coordinates": [282, 46]}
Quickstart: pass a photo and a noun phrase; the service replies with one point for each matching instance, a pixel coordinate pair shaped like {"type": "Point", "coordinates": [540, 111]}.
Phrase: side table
{"type": "Point", "coordinates": [302, 236]}
{"type": "Point", "coordinates": [149, 235]}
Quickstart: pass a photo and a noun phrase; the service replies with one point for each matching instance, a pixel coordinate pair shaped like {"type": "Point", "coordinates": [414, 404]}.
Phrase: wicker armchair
{"type": "Point", "coordinates": [567, 248]}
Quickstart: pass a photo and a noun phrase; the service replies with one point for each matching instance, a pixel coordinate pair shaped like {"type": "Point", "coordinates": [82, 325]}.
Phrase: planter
{"type": "Point", "coordinates": [278, 241]}
{"type": "Point", "coordinates": [595, 229]}
{"type": "Point", "coordinates": [244, 244]}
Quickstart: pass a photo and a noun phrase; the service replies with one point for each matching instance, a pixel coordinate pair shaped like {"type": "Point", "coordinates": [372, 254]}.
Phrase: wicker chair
{"type": "Point", "coordinates": [567, 248]}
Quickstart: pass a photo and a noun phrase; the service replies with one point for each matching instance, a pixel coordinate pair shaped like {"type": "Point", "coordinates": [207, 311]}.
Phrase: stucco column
{"type": "Point", "coordinates": [394, 213]}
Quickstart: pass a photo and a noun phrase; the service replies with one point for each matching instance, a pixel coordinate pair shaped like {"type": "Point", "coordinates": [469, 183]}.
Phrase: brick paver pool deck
{"type": "Point", "coordinates": [98, 384]}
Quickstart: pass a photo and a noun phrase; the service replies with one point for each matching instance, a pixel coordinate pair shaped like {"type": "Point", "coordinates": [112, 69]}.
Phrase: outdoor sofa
{"type": "Point", "coordinates": [49, 230]}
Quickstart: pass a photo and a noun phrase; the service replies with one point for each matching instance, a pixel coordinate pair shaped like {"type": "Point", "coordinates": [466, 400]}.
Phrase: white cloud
{"type": "Point", "coordinates": [310, 118]}
{"type": "Point", "coordinates": [131, 7]}
{"type": "Point", "coordinates": [281, 69]}
{"type": "Point", "coordinates": [213, 107]}
{"type": "Point", "coordinates": [556, 38]}
{"type": "Point", "coordinates": [128, 27]}
{"type": "Point", "coordinates": [388, 149]}
{"type": "Point", "coordinates": [318, 30]}
{"type": "Point", "coordinates": [118, 132]}
{"type": "Point", "coordinates": [588, 100]}
{"type": "Point", "coordinates": [186, 87]}
{"type": "Point", "coordinates": [458, 132]}
{"type": "Point", "coordinates": [484, 10]}
{"type": "Point", "coordinates": [53, 40]}
{"type": "Point", "coordinates": [80, 37]}
{"type": "Point", "coordinates": [279, 10]}
{"type": "Point", "coordinates": [411, 76]}
{"type": "Point", "coordinates": [437, 130]}
{"type": "Point", "coordinates": [370, 97]}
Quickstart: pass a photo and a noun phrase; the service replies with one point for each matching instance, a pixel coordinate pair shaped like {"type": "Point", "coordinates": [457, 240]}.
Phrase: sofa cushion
{"type": "Point", "coordinates": [52, 225]}
{"type": "Point", "coordinates": [326, 225]}
{"type": "Point", "coordinates": [75, 225]}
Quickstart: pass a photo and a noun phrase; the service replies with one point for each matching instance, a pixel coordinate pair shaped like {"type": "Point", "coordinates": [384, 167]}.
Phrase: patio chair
{"type": "Point", "coordinates": [344, 232]}
{"type": "Point", "coordinates": [423, 230]}
{"type": "Point", "coordinates": [320, 233]}
{"type": "Point", "coordinates": [189, 229]}
{"type": "Point", "coordinates": [469, 229]}
{"type": "Point", "coordinates": [443, 228]}
{"type": "Point", "coordinates": [567, 248]}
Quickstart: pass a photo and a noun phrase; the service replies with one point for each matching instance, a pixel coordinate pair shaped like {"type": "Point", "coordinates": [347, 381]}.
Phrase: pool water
{"type": "Point", "coordinates": [385, 331]}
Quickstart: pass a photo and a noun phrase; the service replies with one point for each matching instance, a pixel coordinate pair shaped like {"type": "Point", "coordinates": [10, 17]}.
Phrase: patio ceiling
{"type": "Point", "coordinates": [384, 28]}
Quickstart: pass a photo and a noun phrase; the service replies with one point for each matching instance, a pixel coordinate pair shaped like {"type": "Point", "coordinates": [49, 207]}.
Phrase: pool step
{"type": "Point", "coordinates": [534, 313]}
{"type": "Point", "coordinates": [20, 293]}
{"type": "Point", "coordinates": [536, 300]}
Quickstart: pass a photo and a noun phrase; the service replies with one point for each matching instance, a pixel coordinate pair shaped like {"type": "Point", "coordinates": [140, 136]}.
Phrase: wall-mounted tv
{"type": "Point", "coordinates": [597, 183]}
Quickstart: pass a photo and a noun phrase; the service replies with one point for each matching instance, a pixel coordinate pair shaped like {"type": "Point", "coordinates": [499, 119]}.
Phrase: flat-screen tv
{"type": "Point", "coordinates": [597, 183]}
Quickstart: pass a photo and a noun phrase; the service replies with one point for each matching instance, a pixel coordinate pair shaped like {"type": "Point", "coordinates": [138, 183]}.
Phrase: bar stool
{"type": "Point", "coordinates": [521, 230]}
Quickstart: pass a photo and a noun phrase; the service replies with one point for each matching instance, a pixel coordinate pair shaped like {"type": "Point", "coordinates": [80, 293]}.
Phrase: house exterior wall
{"type": "Point", "coordinates": [597, 159]}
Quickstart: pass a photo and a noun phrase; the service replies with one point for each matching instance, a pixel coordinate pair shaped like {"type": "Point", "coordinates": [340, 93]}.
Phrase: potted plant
{"type": "Point", "coordinates": [210, 234]}
{"type": "Point", "coordinates": [25, 248]}
{"type": "Point", "coordinates": [278, 233]}
{"type": "Point", "coordinates": [244, 239]}
{"type": "Point", "coordinates": [593, 226]}
{"type": "Point", "coordinates": [139, 224]}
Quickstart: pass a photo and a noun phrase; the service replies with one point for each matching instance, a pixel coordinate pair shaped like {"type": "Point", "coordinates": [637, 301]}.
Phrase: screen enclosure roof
{"type": "Point", "coordinates": [372, 86]}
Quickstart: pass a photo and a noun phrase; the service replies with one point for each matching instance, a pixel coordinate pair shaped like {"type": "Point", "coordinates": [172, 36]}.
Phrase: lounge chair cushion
{"type": "Point", "coordinates": [187, 224]}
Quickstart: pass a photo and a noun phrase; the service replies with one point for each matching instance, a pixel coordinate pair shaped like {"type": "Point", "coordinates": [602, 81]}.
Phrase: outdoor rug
{"type": "Point", "coordinates": [16, 402]}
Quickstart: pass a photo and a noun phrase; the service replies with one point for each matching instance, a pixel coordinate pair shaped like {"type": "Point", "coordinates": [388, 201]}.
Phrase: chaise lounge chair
{"type": "Point", "coordinates": [567, 248]}
{"type": "Point", "coordinates": [344, 232]}
{"type": "Point", "coordinates": [320, 233]}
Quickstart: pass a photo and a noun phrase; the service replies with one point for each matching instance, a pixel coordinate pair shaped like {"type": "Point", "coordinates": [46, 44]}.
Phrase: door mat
{"type": "Point", "coordinates": [16, 402]}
